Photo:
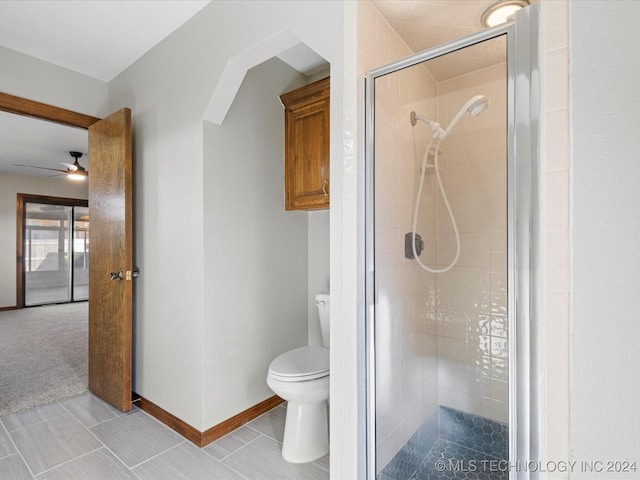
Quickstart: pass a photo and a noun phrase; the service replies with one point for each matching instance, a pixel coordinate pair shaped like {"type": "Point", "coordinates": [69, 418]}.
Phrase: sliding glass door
{"type": "Point", "coordinates": [80, 245]}
{"type": "Point", "coordinates": [56, 253]}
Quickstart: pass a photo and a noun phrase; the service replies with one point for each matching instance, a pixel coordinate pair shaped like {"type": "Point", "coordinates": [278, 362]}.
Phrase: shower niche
{"type": "Point", "coordinates": [441, 324]}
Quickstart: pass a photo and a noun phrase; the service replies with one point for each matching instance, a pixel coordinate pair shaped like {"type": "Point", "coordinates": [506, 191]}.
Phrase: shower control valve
{"type": "Point", "coordinates": [408, 248]}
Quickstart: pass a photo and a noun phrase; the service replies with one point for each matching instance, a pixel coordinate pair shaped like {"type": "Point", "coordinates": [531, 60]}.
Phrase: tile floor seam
{"type": "Point", "coordinates": [104, 421]}
{"type": "Point", "coordinates": [116, 456]}
{"type": "Point", "coordinates": [78, 418]}
{"type": "Point", "coordinates": [157, 455]}
{"type": "Point", "coordinates": [260, 434]}
{"type": "Point", "coordinates": [104, 444]}
{"type": "Point", "coordinates": [36, 423]}
{"type": "Point", "coordinates": [73, 418]}
{"type": "Point", "coordinates": [220, 460]}
{"type": "Point", "coordinates": [273, 438]}
{"type": "Point", "coordinates": [234, 470]}
{"type": "Point", "coordinates": [69, 461]}
{"type": "Point", "coordinates": [15, 447]}
{"type": "Point", "coordinates": [252, 428]}
{"type": "Point", "coordinates": [17, 450]}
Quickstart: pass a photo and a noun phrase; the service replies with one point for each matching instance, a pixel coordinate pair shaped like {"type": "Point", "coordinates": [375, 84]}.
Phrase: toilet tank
{"type": "Point", "coordinates": [323, 302]}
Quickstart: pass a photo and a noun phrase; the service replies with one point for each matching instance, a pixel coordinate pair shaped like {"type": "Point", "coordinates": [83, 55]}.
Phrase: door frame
{"type": "Point", "coordinates": [41, 111]}
{"type": "Point", "coordinates": [22, 200]}
{"type": "Point", "coordinates": [30, 108]}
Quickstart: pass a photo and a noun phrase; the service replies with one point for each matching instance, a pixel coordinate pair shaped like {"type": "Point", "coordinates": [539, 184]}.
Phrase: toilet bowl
{"type": "Point", "coordinates": [301, 377]}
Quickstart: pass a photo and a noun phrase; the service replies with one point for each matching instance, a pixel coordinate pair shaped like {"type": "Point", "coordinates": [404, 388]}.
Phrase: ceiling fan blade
{"type": "Point", "coordinates": [70, 166]}
{"type": "Point", "coordinates": [41, 168]}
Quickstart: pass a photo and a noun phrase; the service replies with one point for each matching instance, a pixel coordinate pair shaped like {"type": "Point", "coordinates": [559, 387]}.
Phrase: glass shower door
{"type": "Point", "coordinates": [440, 254]}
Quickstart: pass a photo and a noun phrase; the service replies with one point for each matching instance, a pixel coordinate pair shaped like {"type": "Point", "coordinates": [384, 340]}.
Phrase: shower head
{"type": "Point", "coordinates": [475, 106]}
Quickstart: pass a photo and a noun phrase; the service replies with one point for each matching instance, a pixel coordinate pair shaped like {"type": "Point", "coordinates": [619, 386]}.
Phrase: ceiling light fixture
{"type": "Point", "coordinates": [501, 11]}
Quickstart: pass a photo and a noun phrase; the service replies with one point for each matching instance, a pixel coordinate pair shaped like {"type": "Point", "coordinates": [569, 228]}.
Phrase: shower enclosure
{"type": "Point", "coordinates": [451, 177]}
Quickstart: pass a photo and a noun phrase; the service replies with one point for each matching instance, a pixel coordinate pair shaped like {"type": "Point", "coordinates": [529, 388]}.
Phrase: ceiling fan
{"type": "Point", "coordinates": [74, 170]}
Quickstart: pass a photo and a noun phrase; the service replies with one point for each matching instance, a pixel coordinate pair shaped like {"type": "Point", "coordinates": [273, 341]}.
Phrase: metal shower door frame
{"type": "Point", "coordinates": [523, 120]}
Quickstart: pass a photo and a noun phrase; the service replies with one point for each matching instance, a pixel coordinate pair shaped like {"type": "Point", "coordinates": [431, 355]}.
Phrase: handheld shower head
{"type": "Point", "coordinates": [475, 106]}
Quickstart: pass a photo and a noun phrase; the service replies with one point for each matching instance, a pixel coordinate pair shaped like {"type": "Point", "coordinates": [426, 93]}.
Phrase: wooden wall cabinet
{"type": "Point", "coordinates": [306, 147]}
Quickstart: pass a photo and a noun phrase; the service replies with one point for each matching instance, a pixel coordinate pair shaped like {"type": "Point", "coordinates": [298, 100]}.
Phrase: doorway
{"type": "Point", "coordinates": [112, 272]}
{"type": "Point", "coordinates": [53, 248]}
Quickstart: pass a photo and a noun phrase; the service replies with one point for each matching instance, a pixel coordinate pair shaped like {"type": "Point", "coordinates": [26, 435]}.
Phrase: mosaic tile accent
{"type": "Point", "coordinates": [474, 432]}
{"type": "Point", "coordinates": [452, 445]}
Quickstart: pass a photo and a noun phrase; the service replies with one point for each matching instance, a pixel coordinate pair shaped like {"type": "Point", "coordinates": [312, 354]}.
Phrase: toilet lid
{"type": "Point", "coordinates": [305, 363]}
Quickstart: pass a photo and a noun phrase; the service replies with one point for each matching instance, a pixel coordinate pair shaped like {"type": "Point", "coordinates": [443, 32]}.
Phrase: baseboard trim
{"type": "Point", "coordinates": [3, 309]}
{"type": "Point", "coordinates": [202, 439]}
{"type": "Point", "coordinates": [220, 430]}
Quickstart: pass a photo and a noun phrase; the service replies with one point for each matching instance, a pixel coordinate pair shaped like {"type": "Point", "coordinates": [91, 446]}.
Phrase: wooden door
{"type": "Point", "coordinates": [110, 259]}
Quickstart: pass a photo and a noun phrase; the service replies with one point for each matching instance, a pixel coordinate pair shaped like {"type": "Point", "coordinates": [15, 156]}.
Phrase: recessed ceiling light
{"type": "Point", "coordinates": [499, 12]}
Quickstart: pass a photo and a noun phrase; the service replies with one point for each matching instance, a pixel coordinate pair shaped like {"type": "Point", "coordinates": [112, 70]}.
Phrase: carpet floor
{"type": "Point", "coordinates": [43, 355]}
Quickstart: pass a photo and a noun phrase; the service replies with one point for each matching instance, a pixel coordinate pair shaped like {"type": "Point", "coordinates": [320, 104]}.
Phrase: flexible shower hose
{"type": "Point", "coordinates": [446, 202]}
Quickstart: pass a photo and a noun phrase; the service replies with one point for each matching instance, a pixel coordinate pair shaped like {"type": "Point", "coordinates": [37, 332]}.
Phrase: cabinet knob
{"type": "Point", "coordinates": [325, 184]}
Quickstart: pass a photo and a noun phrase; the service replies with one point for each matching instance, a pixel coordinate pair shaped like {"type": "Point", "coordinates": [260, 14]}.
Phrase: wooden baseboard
{"type": "Point", "coordinates": [202, 439]}
{"type": "Point", "coordinates": [2, 309]}
{"type": "Point", "coordinates": [220, 430]}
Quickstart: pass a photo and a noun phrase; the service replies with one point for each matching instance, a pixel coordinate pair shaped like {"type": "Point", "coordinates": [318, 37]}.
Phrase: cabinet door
{"type": "Point", "coordinates": [307, 156]}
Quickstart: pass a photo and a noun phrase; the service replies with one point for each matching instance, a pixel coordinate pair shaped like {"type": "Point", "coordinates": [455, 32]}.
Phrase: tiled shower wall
{"type": "Point", "coordinates": [472, 314]}
{"type": "Point", "coordinates": [555, 189]}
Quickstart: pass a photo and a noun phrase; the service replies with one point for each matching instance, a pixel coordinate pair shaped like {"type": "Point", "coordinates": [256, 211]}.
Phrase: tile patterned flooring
{"type": "Point", "coordinates": [83, 438]}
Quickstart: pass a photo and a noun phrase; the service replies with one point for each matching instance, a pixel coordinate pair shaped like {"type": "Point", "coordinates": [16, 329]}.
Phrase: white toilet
{"type": "Point", "coordinates": [301, 377]}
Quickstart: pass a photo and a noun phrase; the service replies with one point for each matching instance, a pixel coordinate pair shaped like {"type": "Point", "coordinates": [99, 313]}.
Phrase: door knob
{"type": "Point", "coordinates": [117, 275]}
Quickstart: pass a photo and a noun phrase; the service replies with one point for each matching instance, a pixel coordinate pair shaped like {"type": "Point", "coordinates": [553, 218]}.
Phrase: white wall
{"type": "Point", "coordinates": [28, 77]}
{"type": "Point", "coordinates": [318, 266]}
{"type": "Point", "coordinates": [255, 257]}
{"type": "Point", "coordinates": [10, 186]}
{"type": "Point", "coordinates": [169, 90]}
{"type": "Point", "coordinates": [605, 359]}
